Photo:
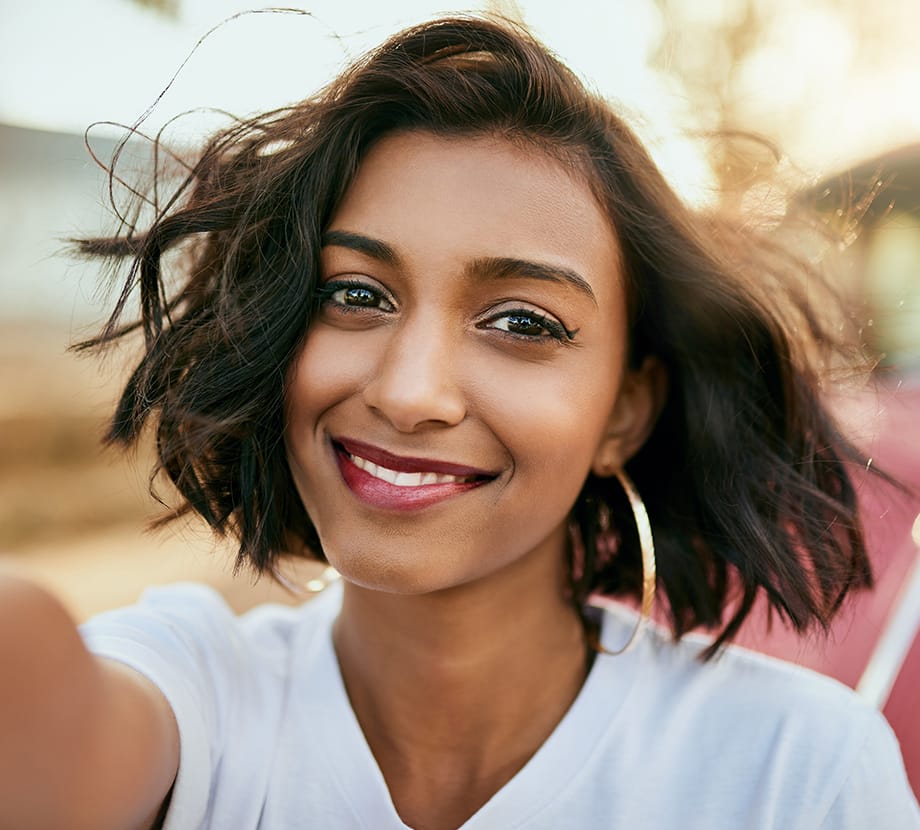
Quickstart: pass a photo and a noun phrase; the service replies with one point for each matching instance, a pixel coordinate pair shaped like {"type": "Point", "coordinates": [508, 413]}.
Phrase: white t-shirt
{"type": "Point", "coordinates": [655, 739]}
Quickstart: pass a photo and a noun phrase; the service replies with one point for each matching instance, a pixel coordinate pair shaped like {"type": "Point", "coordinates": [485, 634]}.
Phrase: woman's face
{"type": "Point", "coordinates": [460, 377]}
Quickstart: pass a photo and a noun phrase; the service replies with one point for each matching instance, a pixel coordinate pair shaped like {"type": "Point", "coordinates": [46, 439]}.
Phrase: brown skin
{"type": "Point", "coordinates": [442, 707]}
{"type": "Point", "coordinates": [87, 743]}
{"type": "Point", "coordinates": [458, 648]}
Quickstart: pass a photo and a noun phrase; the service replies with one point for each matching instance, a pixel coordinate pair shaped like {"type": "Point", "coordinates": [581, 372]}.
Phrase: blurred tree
{"type": "Point", "coordinates": [833, 83]}
{"type": "Point", "coordinates": [170, 8]}
{"type": "Point", "coordinates": [706, 44]}
{"type": "Point", "coordinates": [829, 80]}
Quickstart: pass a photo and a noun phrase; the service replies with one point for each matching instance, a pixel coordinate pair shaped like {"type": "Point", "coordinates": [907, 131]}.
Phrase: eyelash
{"type": "Point", "coordinates": [326, 293]}
{"type": "Point", "coordinates": [555, 330]}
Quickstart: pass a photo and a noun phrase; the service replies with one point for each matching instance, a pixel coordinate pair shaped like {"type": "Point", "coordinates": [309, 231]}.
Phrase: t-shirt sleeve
{"type": "Point", "coordinates": [876, 793]}
{"type": "Point", "coordinates": [186, 640]}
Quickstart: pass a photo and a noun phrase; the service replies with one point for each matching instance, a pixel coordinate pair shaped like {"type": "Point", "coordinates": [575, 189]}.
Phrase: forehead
{"type": "Point", "coordinates": [447, 200]}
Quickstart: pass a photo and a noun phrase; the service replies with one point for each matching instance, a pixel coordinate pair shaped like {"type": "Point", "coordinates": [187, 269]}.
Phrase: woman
{"type": "Point", "coordinates": [424, 325]}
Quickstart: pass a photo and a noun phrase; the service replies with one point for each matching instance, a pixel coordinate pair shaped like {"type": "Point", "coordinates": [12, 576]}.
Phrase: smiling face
{"type": "Point", "coordinates": [467, 366]}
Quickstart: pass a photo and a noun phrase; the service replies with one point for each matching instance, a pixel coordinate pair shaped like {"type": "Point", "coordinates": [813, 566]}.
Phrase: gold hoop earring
{"type": "Point", "coordinates": [647, 547]}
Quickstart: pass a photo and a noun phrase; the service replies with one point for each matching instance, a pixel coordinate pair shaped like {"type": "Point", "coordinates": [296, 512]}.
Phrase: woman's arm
{"type": "Point", "coordinates": [86, 742]}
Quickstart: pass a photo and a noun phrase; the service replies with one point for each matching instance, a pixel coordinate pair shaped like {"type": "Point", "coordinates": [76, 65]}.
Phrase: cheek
{"type": "Point", "coordinates": [319, 377]}
{"type": "Point", "coordinates": [327, 369]}
{"type": "Point", "coordinates": [552, 421]}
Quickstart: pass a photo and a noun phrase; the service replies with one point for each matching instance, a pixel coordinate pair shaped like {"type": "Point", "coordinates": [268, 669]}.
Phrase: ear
{"type": "Point", "coordinates": [640, 400]}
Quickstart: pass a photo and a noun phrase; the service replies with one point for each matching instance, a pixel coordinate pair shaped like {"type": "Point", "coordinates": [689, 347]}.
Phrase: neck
{"type": "Point", "coordinates": [455, 690]}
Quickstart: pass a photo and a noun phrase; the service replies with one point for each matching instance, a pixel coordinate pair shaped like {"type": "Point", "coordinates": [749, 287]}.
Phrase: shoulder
{"type": "Point", "coordinates": [196, 618]}
{"type": "Point", "coordinates": [787, 738]}
{"type": "Point", "coordinates": [226, 679]}
{"type": "Point", "coordinates": [737, 682]}
{"type": "Point", "coordinates": [209, 662]}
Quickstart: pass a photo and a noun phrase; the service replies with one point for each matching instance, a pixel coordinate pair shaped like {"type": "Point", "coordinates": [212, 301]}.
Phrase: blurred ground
{"type": "Point", "coordinates": [73, 514]}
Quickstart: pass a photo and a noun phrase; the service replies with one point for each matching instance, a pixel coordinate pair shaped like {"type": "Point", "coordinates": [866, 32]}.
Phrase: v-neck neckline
{"type": "Point", "coordinates": [551, 769]}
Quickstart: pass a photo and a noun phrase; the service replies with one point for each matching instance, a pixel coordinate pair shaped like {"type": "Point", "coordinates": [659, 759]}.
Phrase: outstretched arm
{"type": "Point", "coordinates": [86, 742]}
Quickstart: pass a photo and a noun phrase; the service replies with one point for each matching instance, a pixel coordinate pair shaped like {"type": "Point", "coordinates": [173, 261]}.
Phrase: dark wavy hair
{"type": "Point", "coordinates": [745, 475]}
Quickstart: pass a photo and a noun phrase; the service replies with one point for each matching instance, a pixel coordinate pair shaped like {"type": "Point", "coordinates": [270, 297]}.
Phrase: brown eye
{"type": "Point", "coordinates": [529, 325]}
{"type": "Point", "coordinates": [359, 296]}
{"type": "Point", "coordinates": [353, 296]}
{"type": "Point", "coordinates": [524, 324]}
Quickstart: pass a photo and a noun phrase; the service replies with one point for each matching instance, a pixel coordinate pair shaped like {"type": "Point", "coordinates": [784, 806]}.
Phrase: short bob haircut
{"type": "Point", "coordinates": [745, 476]}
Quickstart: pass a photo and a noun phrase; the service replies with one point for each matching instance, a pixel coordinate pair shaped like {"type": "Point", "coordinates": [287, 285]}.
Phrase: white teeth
{"type": "Point", "coordinates": [404, 479]}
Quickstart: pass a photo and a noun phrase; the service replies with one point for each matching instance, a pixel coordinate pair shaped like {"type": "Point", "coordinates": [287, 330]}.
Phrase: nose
{"type": "Point", "coordinates": [414, 386]}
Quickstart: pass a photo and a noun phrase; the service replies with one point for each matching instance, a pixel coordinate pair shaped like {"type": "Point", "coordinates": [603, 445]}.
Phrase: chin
{"type": "Point", "coordinates": [376, 572]}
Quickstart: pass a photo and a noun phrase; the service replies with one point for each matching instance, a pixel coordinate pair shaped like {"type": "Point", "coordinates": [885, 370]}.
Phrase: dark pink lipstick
{"type": "Point", "coordinates": [405, 464]}
{"type": "Point", "coordinates": [378, 492]}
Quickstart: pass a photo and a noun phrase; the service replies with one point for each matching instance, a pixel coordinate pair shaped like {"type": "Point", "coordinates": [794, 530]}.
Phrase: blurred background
{"type": "Point", "coordinates": [833, 83]}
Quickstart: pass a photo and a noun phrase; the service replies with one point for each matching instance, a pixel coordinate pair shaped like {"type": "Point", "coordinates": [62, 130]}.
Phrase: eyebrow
{"type": "Point", "coordinates": [481, 267]}
{"type": "Point", "coordinates": [511, 267]}
{"type": "Point", "coordinates": [373, 248]}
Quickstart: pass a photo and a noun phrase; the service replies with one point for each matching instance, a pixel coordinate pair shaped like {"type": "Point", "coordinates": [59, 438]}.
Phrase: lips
{"type": "Point", "coordinates": [393, 482]}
